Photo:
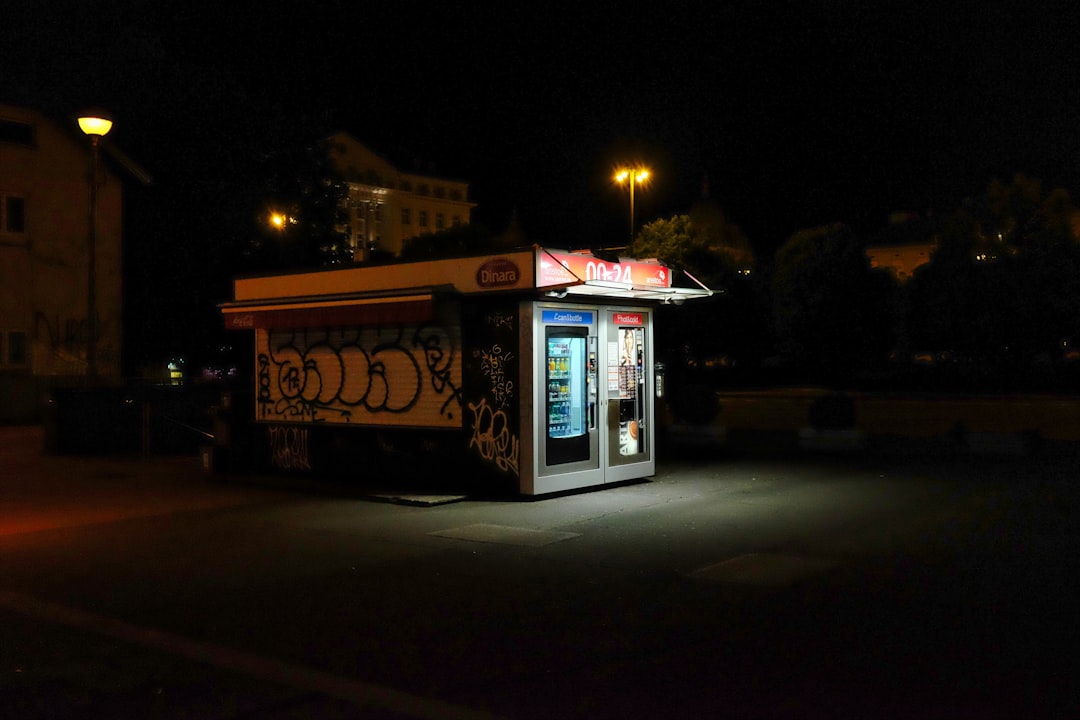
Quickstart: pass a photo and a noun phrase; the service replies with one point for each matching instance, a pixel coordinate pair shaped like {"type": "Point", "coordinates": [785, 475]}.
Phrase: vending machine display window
{"type": "Point", "coordinates": [631, 390]}
{"type": "Point", "coordinates": [567, 402]}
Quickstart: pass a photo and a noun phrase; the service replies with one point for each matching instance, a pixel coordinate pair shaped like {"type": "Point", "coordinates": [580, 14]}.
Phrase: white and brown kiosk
{"type": "Point", "coordinates": [530, 372]}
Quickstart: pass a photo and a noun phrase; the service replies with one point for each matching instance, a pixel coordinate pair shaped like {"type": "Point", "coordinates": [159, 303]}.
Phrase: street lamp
{"type": "Point", "coordinates": [96, 125]}
{"type": "Point", "coordinates": [632, 176]}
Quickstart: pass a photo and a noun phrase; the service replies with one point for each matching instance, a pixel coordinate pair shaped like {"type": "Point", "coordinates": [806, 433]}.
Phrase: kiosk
{"type": "Point", "coordinates": [530, 371]}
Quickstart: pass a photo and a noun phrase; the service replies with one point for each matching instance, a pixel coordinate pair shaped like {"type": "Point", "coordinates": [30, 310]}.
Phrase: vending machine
{"type": "Point", "coordinates": [593, 396]}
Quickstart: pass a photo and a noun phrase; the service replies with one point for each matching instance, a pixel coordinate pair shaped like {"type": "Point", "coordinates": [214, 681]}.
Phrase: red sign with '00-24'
{"type": "Point", "coordinates": [556, 268]}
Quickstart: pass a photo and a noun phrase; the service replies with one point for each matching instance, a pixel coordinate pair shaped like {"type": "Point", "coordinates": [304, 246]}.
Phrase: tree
{"type": "Point", "coordinates": [832, 312]}
{"type": "Point", "coordinates": [1003, 288]}
{"type": "Point", "coordinates": [303, 220]}
{"type": "Point", "coordinates": [713, 254]}
{"type": "Point", "coordinates": [716, 253]}
{"type": "Point", "coordinates": [456, 241]}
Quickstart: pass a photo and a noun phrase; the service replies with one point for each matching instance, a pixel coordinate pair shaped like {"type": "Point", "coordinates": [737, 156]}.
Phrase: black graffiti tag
{"type": "Point", "coordinates": [316, 376]}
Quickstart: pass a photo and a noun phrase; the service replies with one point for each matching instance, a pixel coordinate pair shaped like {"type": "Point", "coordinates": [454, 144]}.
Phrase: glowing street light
{"type": "Point", "coordinates": [633, 177]}
{"type": "Point", "coordinates": [95, 124]}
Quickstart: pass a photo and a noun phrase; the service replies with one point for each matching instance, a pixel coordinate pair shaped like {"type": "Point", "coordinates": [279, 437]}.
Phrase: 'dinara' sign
{"type": "Point", "coordinates": [498, 272]}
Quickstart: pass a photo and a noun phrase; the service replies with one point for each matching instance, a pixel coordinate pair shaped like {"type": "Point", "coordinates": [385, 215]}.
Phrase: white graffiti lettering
{"type": "Point", "coordinates": [492, 438]}
{"type": "Point", "coordinates": [289, 448]}
{"type": "Point", "coordinates": [493, 363]}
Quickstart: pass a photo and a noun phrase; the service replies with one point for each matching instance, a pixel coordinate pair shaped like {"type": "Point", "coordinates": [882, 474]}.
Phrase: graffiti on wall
{"type": "Point", "coordinates": [64, 342]}
{"type": "Point", "coordinates": [493, 435]}
{"type": "Point", "coordinates": [380, 376]}
{"type": "Point", "coordinates": [289, 447]}
{"type": "Point", "coordinates": [494, 364]}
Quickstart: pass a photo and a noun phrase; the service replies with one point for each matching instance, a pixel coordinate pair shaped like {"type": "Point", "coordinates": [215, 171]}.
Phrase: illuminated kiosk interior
{"type": "Point", "coordinates": [530, 371]}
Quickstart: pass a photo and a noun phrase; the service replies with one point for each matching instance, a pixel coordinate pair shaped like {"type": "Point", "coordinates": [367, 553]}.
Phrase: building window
{"type": "Point", "coordinates": [423, 218]}
{"type": "Point", "coordinates": [456, 221]}
{"type": "Point", "coordinates": [440, 221]}
{"type": "Point", "coordinates": [406, 185]}
{"type": "Point", "coordinates": [455, 194]}
{"type": "Point", "coordinates": [406, 216]}
{"type": "Point", "coordinates": [16, 348]}
{"type": "Point", "coordinates": [17, 133]}
{"type": "Point", "coordinates": [13, 349]}
{"type": "Point", "coordinates": [12, 214]}
{"type": "Point", "coordinates": [440, 192]}
{"type": "Point", "coordinates": [423, 189]}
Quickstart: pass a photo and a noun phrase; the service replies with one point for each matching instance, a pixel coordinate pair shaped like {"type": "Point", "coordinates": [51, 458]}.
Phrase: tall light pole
{"type": "Point", "coordinates": [96, 125]}
{"type": "Point", "coordinates": [632, 176]}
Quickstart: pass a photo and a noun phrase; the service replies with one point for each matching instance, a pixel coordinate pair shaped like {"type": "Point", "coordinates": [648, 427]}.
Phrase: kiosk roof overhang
{"type": "Point", "coordinates": [562, 273]}
{"type": "Point", "coordinates": [414, 305]}
{"type": "Point", "coordinates": [409, 292]}
{"type": "Point", "coordinates": [604, 289]}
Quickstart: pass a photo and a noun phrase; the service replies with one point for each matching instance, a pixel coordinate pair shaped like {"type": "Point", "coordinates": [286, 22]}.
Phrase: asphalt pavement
{"type": "Point", "coordinates": [735, 583]}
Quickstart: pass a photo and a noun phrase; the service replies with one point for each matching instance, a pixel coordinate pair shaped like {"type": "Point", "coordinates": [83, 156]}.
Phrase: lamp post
{"type": "Point", "coordinates": [632, 176]}
{"type": "Point", "coordinates": [96, 125]}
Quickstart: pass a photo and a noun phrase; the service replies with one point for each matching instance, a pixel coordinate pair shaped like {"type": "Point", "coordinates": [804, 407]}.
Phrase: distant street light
{"type": "Point", "coordinates": [96, 125]}
{"type": "Point", "coordinates": [632, 176]}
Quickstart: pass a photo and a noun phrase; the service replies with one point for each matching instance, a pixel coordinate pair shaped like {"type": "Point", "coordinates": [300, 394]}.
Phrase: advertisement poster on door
{"type": "Point", "coordinates": [631, 378]}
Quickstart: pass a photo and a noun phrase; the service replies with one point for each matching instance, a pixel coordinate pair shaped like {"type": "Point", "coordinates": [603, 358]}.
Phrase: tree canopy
{"type": "Point", "coordinates": [831, 310]}
{"type": "Point", "coordinates": [1004, 285]}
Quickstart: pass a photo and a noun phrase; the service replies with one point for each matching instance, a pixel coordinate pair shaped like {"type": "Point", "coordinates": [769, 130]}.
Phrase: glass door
{"type": "Point", "coordinates": [631, 390]}
{"type": "Point", "coordinates": [629, 407]}
{"type": "Point", "coordinates": [567, 399]}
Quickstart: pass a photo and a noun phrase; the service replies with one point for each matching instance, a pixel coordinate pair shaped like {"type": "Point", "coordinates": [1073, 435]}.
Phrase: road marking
{"type": "Point", "coordinates": [360, 693]}
{"type": "Point", "coordinates": [763, 569]}
{"type": "Point", "coordinates": [505, 535]}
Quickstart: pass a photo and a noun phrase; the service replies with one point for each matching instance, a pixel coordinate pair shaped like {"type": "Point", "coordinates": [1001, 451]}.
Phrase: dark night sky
{"type": "Point", "coordinates": [799, 113]}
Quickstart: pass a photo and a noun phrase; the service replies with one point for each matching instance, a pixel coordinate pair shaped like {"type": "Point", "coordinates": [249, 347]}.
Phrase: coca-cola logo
{"type": "Point", "coordinates": [241, 320]}
{"type": "Point", "coordinates": [498, 272]}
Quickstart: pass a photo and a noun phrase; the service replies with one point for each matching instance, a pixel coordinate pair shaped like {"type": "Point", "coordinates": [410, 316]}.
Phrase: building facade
{"type": "Point", "coordinates": [44, 269]}
{"type": "Point", "coordinates": [901, 260]}
{"type": "Point", "coordinates": [388, 205]}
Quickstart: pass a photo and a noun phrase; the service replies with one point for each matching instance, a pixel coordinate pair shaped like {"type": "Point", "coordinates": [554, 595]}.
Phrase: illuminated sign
{"type": "Point", "coordinates": [498, 272]}
{"type": "Point", "coordinates": [623, 318]}
{"type": "Point", "coordinates": [559, 268]}
{"type": "Point", "coordinates": [567, 317]}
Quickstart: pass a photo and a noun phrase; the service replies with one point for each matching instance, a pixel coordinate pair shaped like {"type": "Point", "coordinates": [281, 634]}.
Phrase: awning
{"type": "Point", "coordinates": [330, 311]}
{"type": "Point", "coordinates": [560, 273]}
{"type": "Point", "coordinates": [603, 288]}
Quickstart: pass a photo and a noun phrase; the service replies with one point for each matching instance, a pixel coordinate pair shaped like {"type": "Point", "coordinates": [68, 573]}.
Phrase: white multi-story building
{"type": "Point", "coordinates": [388, 204]}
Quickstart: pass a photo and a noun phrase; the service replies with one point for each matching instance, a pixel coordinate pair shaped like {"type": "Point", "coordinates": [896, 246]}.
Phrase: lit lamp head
{"type": "Point", "coordinates": [95, 123]}
{"type": "Point", "coordinates": [635, 176]}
